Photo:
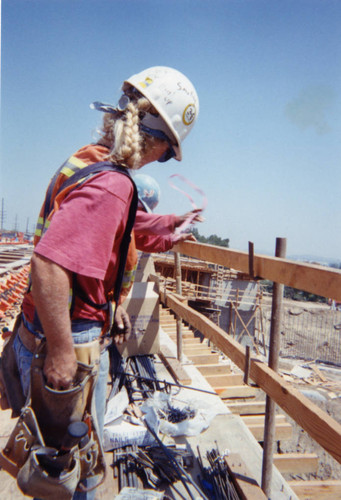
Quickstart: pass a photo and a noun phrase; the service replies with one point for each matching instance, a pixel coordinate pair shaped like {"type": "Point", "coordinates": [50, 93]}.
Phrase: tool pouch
{"type": "Point", "coordinates": [11, 393]}
{"type": "Point", "coordinates": [54, 409]}
{"type": "Point", "coordinates": [25, 434]}
{"type": "Point", "coordinates": [42, 425]}
{"type": "Point", "coordinates": [36, 478]}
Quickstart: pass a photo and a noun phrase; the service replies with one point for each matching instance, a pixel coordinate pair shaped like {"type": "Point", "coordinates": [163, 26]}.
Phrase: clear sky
{"type": "Point", "coordinates": [266, 147]}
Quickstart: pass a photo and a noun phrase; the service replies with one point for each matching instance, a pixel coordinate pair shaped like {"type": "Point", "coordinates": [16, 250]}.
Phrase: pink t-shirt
{"type": "Point", "coordinates": [153, 232]}
{"type": "Point", "coordinates": [85, 235]}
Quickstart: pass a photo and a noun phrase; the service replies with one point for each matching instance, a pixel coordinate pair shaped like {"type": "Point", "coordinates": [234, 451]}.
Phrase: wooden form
{"type": "Point", "coordinates": [317, 490]}
{"type": "Point", "coordinates": [319, 425]}
{"type": "Point", "coordinates": [308, 277]}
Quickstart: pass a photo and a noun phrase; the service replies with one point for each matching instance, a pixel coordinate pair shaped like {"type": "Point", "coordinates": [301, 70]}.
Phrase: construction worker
{"type": "Point", "coordinates": [154, 232]}
{"type": "Point", "coordinates": [81, 228]}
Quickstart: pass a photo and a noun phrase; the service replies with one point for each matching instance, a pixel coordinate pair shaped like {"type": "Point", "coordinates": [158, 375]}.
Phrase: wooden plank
{"type": "Point", "coordinates": [319, 425]}
{"type": "Point", "coordinates": [193, 340]}
{"type": "Point", "coordinates": [236, 391]}
{"type": "Point", "coordinates": [247, 487]}
{"type": "Point", "coordinates": [317, 490]}
{"type": "Point", "coordinates": [296, 463]}
{"type": "Point", "coordinates": [259, 419]}
{"type": "Point", "coordinates": [312, 278]}
{"type": "Point", "coordinates": [318, 372]}
{"type": "Point", "coordinates": [213, 369]}
{"type": "Point", "coordinates": [224, 380]}
{"type": "Point", "coordinates": [192, 350]}
{"type": "Point", "coordinates": [186, 335]}
{"type": "Point", "coordinates": [248, 408]}
{"type": "Point", "coordinates": [174, 366]}
{"type": "Point", "coordinates": [204, 358]}
{"type": "Point", "coordinates": [282, 431]}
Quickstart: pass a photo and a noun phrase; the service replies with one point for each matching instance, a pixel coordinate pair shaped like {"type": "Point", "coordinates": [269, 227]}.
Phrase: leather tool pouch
{"type": "Point", "coordinates": [11, 393]}
{"type": "Point", "coordinates": [43, 423]}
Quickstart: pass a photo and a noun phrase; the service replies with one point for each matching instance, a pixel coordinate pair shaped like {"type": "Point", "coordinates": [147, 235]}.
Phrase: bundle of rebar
{"type": "Point", "coordinates": [149, 464]}
{"type": "Point", "coordinates": [215, 479]}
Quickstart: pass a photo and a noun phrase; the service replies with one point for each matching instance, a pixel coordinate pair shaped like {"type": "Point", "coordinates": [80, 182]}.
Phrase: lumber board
{"type": "Point", "coordinates": [172, 334]}
{"type": "Point", "coordinates": [259, 419]}
{"type": "Point", "coordinates": [190, 350]}
{"type": "Point", "coordinates": [246, 485]}
{"type": "Point", "coordinates": [224, 380]}
{"type": "Point", "coordinates": [214, 369]}
{"type": "Point", "coordinates": [317, 490]}
{"type": "Point", "coordinates": [174, 366]}
{"type": "Point", "coordinates": [283, 430]}
{"type": "Point", "coordinates": [247, 408]}
{"type": "Point", "coordinates": [194, 341]}
{"type": "Point", "coordinates": [319, 425]}
{"type": "Point", "coordinates": [202, 359]}
{"type": "Point", "coordinates": [311, 278]}
{"type": "Point", "coordinates": [296, 463]}
{"type": "Point", "coordinates": [236, 391]}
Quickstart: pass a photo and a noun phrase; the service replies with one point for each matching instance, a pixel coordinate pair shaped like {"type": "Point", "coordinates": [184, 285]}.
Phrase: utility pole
{"type": "Point", "coordinates": [16, 223]}
{"type": "Point", "coordinates": [3, 214]}
{"type": "Point", "coordinates": [27, 222]}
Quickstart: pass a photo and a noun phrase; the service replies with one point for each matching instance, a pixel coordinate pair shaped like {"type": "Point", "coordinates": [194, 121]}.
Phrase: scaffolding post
{"type": "Point", "coordinates": [274, 348]}
{"type": "Point", "coordinates": [177, 262]}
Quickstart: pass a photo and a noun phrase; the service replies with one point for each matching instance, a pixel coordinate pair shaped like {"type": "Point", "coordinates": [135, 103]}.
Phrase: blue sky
{"type": "Point", "coordinates": [266, 147]}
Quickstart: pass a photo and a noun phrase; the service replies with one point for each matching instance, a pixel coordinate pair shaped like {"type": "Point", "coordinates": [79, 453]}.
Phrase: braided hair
{"type": "Point", "coordinates": [122, 134]}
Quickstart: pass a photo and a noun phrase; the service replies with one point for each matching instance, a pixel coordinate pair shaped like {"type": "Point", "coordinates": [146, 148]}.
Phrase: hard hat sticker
{"type": "Point", "coordinates": [146, 83]}
{"type": "Point", "coordinates": [189, 114]}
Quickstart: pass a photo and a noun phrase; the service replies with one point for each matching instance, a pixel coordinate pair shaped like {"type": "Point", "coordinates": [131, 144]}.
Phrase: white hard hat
{"type": "Point", "coordinates": [174, 98]}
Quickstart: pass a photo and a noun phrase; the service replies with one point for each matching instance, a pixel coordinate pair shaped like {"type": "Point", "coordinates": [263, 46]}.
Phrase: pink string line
{"type": "Point", "coordinates": [189, 220]}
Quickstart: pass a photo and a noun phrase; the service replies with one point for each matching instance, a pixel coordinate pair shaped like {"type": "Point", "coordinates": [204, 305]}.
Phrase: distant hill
{"type": "Point", "coordinates": [323, 261]}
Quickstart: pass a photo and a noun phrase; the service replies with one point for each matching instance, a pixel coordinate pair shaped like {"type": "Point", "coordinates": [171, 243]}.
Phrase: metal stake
{"type": "Point", "coordinates": [178, 318]}
{"type": "Point", "coordinates": [274, 347]}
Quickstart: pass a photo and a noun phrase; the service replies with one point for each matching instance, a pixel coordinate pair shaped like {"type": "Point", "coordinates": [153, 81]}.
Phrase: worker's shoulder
{"type": "Point", "coordinates": [112, 181]}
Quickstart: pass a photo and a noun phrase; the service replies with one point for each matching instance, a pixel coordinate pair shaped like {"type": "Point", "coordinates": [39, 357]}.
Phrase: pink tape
{"type": "Point", "coordinates": [191, 217]}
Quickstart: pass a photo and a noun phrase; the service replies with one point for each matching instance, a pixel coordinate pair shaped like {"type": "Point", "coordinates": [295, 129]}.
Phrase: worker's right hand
{"type": "Point", "coordinates": [122, 326]}
{"type": "Point", "coordinates": [60, 370]}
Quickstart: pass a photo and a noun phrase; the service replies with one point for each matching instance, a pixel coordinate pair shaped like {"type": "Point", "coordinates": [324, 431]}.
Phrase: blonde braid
{"type": "Point", "coordinates": [122, 134]}
{"type": "Point", "coordinates": [130, 148]}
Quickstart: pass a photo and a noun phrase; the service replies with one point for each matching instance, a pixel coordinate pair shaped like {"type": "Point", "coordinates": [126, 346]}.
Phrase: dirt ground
{"type": "Point", "coordinates": [321, 383]}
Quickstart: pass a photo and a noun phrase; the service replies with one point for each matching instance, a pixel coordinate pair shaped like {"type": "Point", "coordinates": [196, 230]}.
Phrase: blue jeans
{"type": "Point", "coordinates": [80, 334]}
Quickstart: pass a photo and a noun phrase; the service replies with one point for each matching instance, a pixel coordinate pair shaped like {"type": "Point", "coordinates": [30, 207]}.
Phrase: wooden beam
{"type": "Point", "coordinates": [296, 463]}
{"type": "Point", "coordinates": [246, 485]}
{"type": "Point", "coordinates": [316, 490]}
{"type": "Point", "coordinates": [319, 425]}
{"type": "Point", "coordinates": [320, 280]}
{"type": "Point", "coordinates": [174, 367]}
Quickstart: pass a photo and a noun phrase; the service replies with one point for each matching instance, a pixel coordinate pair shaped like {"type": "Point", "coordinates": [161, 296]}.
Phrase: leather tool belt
{"type": "Point", "coordinates": [44, 418]}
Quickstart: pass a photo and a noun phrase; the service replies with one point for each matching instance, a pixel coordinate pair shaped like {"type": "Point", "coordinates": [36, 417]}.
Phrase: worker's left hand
{"type": "Point", "coordinates": [121, 328]}
{"type": "Point", "coordinates": [195, 212]}
{"type": "Point", "coordinates": [178, 238]}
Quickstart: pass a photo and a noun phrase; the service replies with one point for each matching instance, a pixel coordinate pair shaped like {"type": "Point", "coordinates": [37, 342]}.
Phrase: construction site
{"type": "Point", "coordinates": [244, 385]}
